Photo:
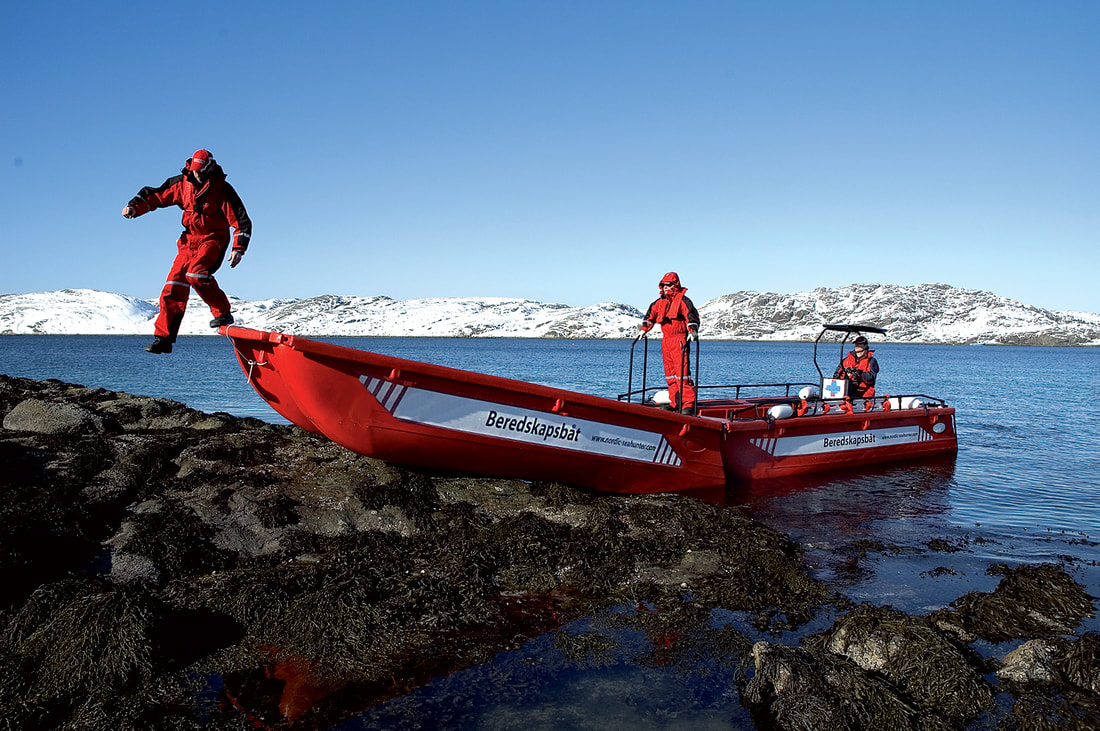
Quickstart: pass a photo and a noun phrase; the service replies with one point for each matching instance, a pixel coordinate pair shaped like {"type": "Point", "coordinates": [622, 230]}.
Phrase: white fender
{"type": "Point", "coordinates": [781, 411]}
{"type": "Point", "coordinates": [661, 398]}
{"type": "Point", "coordinates": [809, 392]}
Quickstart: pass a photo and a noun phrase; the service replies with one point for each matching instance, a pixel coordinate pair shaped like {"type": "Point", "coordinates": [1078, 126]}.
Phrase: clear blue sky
{"type": "Point", "coordinates": [567, 151]}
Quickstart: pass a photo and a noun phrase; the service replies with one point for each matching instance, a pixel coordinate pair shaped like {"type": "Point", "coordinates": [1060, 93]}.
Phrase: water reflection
{"type": "Point", "coordinates": [606, 672]}
{"type": "Point", "coordinates": [846, 504]}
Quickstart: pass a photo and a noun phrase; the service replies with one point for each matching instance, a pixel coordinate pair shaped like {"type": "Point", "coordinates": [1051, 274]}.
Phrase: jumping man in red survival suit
{"type": "Point", "coordinates": [861, 368]}
{"type": "Point", "coordinates": [679, 321]}
{"type": "Point", "coordinates": [210, 207]}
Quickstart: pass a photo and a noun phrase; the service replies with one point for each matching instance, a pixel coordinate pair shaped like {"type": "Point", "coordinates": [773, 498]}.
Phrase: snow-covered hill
{"type": "Point", "coordinates": [927, 313]}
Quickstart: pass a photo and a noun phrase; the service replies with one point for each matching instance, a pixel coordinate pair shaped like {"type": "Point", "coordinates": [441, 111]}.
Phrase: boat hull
{"type": "Point", "coordinates": [796, 446]}
{"type": "Point", "coordinates": [431, 416]}
{"type": "Point", "coordinates": [424, 415]}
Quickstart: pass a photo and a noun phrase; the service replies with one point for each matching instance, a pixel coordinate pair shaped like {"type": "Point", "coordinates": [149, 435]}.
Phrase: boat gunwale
{"type": "Point", "coordinates": [321, 349]}
{"type": "Point", "coordinates": [719, 430]}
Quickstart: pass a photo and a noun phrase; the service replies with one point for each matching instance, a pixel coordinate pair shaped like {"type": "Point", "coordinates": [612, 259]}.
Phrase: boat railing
{"type": "Point", "coordinates": [738, 388]}
{"type": "Point", "coordinates": [737, 400]}
{"type": "Point", "coordinates": [643, 392]}
{"type": "Point", "coordinates": [926, 400]}
{"type": "Point", "coordinates": [630, 392]}
{"type": "Point", "coordinates": [749, 408]}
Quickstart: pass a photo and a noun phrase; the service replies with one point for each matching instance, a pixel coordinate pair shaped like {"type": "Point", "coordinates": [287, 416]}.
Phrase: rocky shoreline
{"type": "Point", "coordinates": [168, 568]}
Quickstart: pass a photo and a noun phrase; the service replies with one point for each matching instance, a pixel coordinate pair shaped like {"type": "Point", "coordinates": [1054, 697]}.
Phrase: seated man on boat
{"type": "Point", "coordinates": [860, 368]}
{"type": "Point", "coordinates": [679, 321]}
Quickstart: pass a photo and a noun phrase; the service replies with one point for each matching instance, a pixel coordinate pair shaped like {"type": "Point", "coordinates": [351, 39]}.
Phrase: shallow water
{"type": "Point", "coordinates": [1023, 488]}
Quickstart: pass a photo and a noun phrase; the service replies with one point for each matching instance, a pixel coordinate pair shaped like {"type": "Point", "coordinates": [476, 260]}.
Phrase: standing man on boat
{"type": "Point", "coordinates": [679, 321]}
{"type": "Point", "coordinates": [210, 207]}
{"type": "Point", "coordinates": [860, 368]}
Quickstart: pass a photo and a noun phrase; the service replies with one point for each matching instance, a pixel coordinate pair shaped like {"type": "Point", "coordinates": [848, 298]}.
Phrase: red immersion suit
{"type": "Point", "coordinates": [210, 208]}
{"type": "Point", "coordinates": [864, 386]}
{"type": "Point", "coordinates": [677, 317]}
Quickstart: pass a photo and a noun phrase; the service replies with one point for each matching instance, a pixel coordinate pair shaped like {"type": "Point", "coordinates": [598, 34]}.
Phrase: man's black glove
{"type": "Point", "coordinates": [853, 374]}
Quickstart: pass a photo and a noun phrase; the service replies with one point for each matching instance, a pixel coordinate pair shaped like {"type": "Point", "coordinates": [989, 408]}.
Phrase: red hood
{"type": "Point", "coordinates": [671, 277]}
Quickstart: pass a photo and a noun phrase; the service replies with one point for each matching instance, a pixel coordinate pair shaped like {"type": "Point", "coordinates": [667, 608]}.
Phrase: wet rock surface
{"type": "Point", "coordinates": [168, 568]}
{"type": "Point", "coordinates": [875, 668]}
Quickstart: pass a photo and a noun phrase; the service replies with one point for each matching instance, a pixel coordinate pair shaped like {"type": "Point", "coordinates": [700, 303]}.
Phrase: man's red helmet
{"type": "Point", "coordinates": [671, 278]}
{"type": "Point", "coordinates": [200, 161]}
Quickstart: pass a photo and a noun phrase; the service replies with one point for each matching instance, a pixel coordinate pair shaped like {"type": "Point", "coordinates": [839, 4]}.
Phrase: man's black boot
{"type": "Point", "coordinates": [219, 321]}
{"type": "Point", "coordinates": [159, 345]}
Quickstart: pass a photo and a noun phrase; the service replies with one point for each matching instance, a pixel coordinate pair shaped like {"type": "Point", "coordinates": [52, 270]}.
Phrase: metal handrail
{"type": "Point", "coordinates": [630, 373]}
{"type": "Point", "coordinates": [737, 387]}
{"type": "Point", "coordinates": [685, 363]}
{"type": "Point", "coordinates": [847, 330]}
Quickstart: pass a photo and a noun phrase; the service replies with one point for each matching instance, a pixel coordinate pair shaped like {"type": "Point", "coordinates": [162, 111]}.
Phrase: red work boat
{"type": "Point", "coordinates": [426, 415]}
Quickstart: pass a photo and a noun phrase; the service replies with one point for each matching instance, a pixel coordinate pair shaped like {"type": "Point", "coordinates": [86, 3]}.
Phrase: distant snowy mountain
{"type": "Point", "coordinates": [926, 313]}
{"type": "Point", "coordinates": [74, 312]}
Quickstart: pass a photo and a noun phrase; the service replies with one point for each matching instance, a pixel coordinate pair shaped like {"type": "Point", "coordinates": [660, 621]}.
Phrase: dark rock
{"type": "Point", "coordinates": [152, 553]}
{"type": "Point", "coordinates": [799, 688]}
{"type": "Point", "coordinates": [931, 668]}
{"type": "Point", "coordinates": [48, 417]}
{"type": "Point", "coordinates": [1029, 602]}
{"type": "Point", "coordinates": [875, 668]}
{"type": "Point", "coordinates": [1055, 683]}
{"type": "Point", "coordinates": [345, 577]}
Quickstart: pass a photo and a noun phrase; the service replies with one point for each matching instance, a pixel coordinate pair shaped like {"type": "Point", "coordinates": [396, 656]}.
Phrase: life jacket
{"type": "Point", "coordinates": [674, 312]}
{"type": "Point", "coordinates": [863, 389]}
{"type": "Point", "coordinates": [202, 206]}
{"type": "Point", "coordinates": [670, 313]}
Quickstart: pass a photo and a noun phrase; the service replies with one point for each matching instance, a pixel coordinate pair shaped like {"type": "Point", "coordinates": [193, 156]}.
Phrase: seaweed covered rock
{"type": "Point", "coordinates": [874, 668]}
{"type": "Point", "coordinates": [166, 568]}
{"type": "Point", "coordinates": [809, 689]}
{"type": "Point", "coordinates": [71, 641]}
{"type": "Point", "coordinates": [176, 546]}
{"type": "Point", "coordinates": [1056, 682]}
{"type": "Point", "coordinates": [1029, 602]}
{"type": "Point", "coordinates": [935, 672]}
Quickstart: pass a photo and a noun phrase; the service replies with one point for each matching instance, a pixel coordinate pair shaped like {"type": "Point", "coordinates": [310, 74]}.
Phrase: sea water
{"type": "Point", "coordinates": [1028, 417]}
{"type": "Point", "coordinates": [1024, 487]}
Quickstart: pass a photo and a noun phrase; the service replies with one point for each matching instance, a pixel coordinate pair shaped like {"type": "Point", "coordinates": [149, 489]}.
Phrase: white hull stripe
{"type": "Point", "coordinates": [389, 397]}
{"type": "Point", "coordinates": [486, 418]}
{"type": "Point", "coordinates": [798, 445]}
{"type": "Point", "coordinates": [666, 454]}
{"type": "Point", "coordinates": [767, 445]}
